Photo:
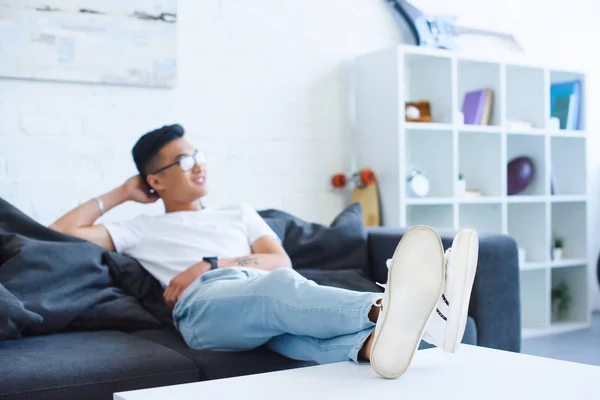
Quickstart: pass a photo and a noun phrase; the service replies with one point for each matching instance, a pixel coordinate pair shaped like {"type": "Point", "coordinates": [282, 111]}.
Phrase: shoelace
{"type": "Point", "coordinates": [447, 256]}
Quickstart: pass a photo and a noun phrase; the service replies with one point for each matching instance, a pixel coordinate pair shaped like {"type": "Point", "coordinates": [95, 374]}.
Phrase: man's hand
{"type": "Point", "coordinates": [182, 281]}
{"type": "Point", "coordinates": [136, 190]}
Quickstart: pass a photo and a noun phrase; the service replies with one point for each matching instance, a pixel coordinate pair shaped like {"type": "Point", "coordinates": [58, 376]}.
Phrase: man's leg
{"type": "Point", "coordinates": [353, 347]}
{"type": "Point", "coordinates": [229, 310]}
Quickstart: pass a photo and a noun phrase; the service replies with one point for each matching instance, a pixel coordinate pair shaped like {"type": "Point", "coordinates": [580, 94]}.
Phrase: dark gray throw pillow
{"type": "Point", "coordinates": [50, 282]}
{"type": "Point", "coordinates": [342, 245]}
{"type": "Point", "coordinates": [14, 317]}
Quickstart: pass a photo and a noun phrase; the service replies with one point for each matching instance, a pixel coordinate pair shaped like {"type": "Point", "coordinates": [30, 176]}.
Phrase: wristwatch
{"type": "Point", "coordinates": [213, 261]}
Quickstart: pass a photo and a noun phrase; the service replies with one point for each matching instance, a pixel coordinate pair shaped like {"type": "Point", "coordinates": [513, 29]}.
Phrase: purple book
{"type": "Point", "coordinates": [473, 106]}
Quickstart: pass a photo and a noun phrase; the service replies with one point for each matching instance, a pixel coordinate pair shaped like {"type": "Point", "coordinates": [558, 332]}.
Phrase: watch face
{"type": "Point", "coordinates": [420, 185]}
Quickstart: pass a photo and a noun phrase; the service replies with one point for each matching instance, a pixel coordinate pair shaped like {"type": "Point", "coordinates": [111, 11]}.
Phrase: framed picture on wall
{"type": "Point", "coordinates": [129, 42]}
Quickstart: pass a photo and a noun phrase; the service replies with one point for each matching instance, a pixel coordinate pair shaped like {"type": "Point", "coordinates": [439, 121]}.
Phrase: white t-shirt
{"type": "Point", "coordinates": [168, 244]}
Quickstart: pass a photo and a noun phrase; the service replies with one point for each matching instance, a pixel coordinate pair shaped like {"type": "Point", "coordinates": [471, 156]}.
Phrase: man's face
{"type": "Point", "coordinates": [173, 183]}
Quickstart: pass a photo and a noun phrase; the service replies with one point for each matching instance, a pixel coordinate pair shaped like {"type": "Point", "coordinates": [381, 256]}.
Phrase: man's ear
{"type": "Point", "coordinates": [154, 183]}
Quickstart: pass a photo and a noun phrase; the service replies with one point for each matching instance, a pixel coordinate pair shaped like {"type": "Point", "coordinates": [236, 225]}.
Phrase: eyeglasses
{"type": "Point", "coordinates": [186, 162]}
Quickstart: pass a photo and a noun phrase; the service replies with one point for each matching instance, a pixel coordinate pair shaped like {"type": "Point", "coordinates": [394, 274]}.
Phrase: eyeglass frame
{"type": "Point", "coordinates": [178, 162]}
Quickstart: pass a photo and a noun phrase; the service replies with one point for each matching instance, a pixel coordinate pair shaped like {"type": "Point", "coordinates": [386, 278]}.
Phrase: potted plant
{"type": "Point", "coordinates": [557, 248]}
{"type": "Point", "coordinates": [561, 301]}
{"type": "Point", "coordinates": [461, 185]}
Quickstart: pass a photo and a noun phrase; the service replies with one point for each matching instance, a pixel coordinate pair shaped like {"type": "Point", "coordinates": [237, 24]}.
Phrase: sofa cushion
{"type": "Point", "coordinates": [222, 364]}
{"type": "Point", "coordinates": [87, 365]}
{"type": "Point", "coordinates": [129, 275]}
{"type": "Point", "coordinates": [14, 317]}
{"type": "Point", "coordinates": [342, 245]}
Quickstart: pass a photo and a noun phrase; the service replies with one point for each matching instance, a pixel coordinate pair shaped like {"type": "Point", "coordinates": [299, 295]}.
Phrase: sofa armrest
{"type": "Point", "coordinates": [495, 301]}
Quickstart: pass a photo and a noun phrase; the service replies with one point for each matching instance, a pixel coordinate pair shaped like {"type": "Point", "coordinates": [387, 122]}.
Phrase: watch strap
{"type": "Point", "coordinates": [213, 261]}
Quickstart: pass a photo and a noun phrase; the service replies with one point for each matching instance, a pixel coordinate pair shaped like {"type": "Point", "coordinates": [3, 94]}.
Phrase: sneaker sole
{"type": "Point", "coordinates": [465, 249]}
{"type": "Point", "coordinates": [415, 284]}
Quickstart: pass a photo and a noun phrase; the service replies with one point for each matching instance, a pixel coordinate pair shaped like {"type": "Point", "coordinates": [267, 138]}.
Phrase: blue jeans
{"type": "Point", "coordinates": [236, 309]}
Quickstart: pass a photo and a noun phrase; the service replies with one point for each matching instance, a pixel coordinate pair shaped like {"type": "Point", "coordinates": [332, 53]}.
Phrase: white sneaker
{"type": "Point", "coordinates": [449, 319]}
{"type": "Point", "coordinates": [415, 283]}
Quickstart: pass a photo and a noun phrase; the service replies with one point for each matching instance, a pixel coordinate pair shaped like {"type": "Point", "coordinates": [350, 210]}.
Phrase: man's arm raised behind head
{"type": "Point", "coordinates": [79, 222]}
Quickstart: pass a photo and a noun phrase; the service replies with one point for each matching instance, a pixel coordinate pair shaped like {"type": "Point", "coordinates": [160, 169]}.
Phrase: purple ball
{"type": "Point", "coordinates": [520, 174]}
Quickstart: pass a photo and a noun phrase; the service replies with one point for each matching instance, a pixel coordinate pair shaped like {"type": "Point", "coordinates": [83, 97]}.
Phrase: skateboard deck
{"type": "Point", "coordinates": [365, 192]}
{"type": "Point", "coordinates": [368, 197]}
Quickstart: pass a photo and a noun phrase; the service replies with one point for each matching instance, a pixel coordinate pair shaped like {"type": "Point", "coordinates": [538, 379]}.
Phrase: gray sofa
{"type": "Point", "coordinates": [95, 364]}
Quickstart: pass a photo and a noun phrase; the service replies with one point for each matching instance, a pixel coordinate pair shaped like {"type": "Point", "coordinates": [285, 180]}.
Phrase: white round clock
{"type": "Point", "coordinates": [418, 184]}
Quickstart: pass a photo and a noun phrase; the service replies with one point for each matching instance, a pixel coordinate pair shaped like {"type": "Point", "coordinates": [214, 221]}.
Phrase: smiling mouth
{"type": "Point", "coordinates": [200, 180]}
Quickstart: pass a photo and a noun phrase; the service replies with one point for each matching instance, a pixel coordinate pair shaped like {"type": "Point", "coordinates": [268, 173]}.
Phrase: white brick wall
{"type": "Point", "coordinates": [261, 89]}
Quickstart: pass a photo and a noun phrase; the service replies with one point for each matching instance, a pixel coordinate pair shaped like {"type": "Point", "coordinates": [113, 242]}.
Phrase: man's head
{"type": "Point", "coordinates": [170, 165]}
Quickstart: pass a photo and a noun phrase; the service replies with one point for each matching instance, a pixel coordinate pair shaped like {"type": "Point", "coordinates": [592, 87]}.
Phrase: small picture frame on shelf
{"type": "Point", "coordinates": [417, 111]}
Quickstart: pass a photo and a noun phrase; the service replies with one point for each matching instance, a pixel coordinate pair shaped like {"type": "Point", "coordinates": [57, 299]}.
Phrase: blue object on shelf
{"type": "Point", "coordinates": [566, 90]}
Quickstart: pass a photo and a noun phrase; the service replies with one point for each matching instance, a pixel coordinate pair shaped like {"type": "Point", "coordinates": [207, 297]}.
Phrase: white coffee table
{"type": "Point", "coordinates": [472, 373]}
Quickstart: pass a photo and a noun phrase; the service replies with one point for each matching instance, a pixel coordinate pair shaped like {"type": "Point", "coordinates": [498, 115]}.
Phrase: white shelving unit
{"type": "Point", "coordinates": [385, 80]}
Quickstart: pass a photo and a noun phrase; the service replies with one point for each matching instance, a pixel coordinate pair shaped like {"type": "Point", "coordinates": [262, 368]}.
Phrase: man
{"type": "Point", "coordinates": [232, 285]}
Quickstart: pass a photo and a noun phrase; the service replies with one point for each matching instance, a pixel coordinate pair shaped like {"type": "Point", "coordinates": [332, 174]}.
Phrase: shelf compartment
{"type": "Point", "coordinates": [535, 310]}
{"type": "Point", "coordinates": [531, 235]}
{"type": "Point", "coordinates": [533, 147]}
{"type": "Point", "coordinates": [569, 223]}
{"type": "Point", "coordinates": [576, 281]}
{"type": "Point", "coordinates": [568, 165]}
{"type": "Point", "coordinates": [525, 95]}
{"type": "Point", "coordinates": [484, 218]}
{"type": "Point", "coordinates": [476, 75]}
{"type": "Point", "coordinates": [436, 161]}
{"type": "Point", "coordinates": [429, 78]}
{"type": "Point", "coordinates": [479, 161]}
{"type": "Point", "coordinates": [436, 216]}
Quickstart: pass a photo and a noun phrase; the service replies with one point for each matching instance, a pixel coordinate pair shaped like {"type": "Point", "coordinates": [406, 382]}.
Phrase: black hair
{"type": "Point", "coordinates": [147, 147]}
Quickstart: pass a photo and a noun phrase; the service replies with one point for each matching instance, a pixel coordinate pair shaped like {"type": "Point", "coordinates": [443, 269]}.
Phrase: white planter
{"type": "Point", "coordinates": [461, 187]}
{"type": "Point", "coordinates": [557, 254]}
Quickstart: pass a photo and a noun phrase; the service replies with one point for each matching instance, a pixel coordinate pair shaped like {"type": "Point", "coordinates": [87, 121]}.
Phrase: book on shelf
{"type": "Point", "coordinates": [477, 107]}
{"type": "Point", "coordinates": [563, 106]}
{"type": "Point", "coordinates": [565, 103]}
